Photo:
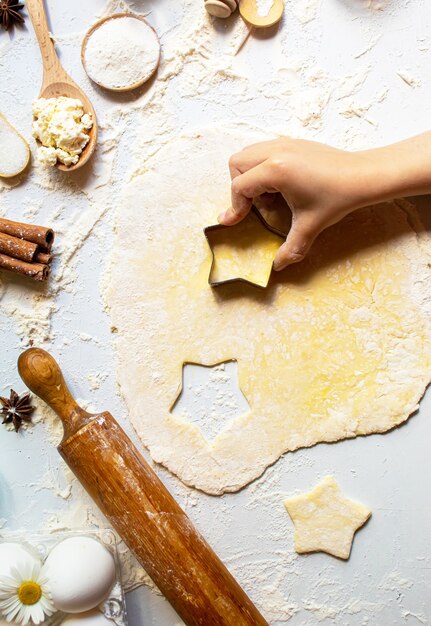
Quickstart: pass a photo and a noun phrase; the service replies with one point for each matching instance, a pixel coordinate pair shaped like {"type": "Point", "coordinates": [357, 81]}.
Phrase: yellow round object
{"type": "Point", "coordinates": [29, 593]}
{"type": "Point", "coordinates": [251, 13]}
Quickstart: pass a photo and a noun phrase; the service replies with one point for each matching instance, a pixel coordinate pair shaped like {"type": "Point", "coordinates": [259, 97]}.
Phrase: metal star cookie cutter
{"type": "Point", "coordinates": [238, 279]}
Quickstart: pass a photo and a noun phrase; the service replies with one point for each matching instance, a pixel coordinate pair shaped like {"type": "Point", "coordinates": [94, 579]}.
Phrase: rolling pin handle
{"type": "Point", "coordinates": [42, 375]}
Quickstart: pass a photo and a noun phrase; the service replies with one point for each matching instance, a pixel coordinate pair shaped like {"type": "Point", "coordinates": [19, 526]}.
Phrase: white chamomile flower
{"type": "Point", "coordinates": [24, 595]}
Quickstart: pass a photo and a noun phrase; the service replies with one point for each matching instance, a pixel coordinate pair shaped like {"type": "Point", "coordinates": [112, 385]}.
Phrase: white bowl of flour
{"type": "Point", "coordinates": [121, 52]}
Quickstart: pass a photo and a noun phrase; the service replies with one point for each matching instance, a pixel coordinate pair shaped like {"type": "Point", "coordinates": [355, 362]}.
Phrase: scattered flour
{"type": "Point", "coordinates": [305, 10]}
{"type": "Point", "coordinates": [409, 80]}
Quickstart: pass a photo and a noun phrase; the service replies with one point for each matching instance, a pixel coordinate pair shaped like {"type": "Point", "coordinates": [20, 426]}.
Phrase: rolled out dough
{"type": "Point", "coordinates": [335, 347]}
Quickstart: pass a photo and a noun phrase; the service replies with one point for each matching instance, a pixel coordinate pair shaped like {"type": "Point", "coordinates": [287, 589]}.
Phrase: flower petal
{"type": "Point", "coordinates": [10, 603]}
{"type": "Point", "coordinates": [37, 614]}
{"type": "Point", "coordinates": [47, 605]}
{"type": "Point", "coordinates": [16, 573]}
{"type": "Point", "coordinates": [8, 581]}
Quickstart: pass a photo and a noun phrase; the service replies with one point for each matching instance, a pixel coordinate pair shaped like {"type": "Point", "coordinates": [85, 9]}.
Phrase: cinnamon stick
{"type": "Point", "coordinates": [41, 235]}
{"type": "Point", "coordinates": [18, 248]}
{"type": "Point", "coordinates": [43, 257]}
{"type": "Point", "coordinates": [36, 271]}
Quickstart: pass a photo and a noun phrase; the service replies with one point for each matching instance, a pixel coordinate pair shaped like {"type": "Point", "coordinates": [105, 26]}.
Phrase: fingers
{"type": "Point", "coordinates": [245, 187]}
{"type": "Point", "coordinates": [272, 202]}
{"type": "Point", "coordinates": [251, 156]}
{"type": "Point", "coordinates": [249, 179]}
{"type": "Point", "coordinates": [236, 213]}
{"type": "Point", "coordinates": [297, 244]}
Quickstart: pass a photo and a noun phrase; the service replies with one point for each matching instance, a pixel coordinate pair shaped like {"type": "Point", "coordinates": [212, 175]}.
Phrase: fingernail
{"type": "Point", "coordinates": [294, 257]}
{"type": "Point", "coordinates": [222, 216]}
{"type": "Point", "coordinates": [279, 265]}
{"type": "Point", "coordinates": [280, 261]}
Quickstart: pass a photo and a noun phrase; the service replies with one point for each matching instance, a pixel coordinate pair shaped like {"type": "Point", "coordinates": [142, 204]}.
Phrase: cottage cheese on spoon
{"type": "Point", "coordinates": [61, 126]}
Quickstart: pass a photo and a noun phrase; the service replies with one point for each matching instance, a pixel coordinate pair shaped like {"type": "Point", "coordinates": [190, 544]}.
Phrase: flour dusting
{"type": "Point", "coordinates": [264, 7]}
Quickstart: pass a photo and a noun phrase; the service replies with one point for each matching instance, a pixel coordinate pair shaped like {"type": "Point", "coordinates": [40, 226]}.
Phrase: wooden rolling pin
{"type": "Point", "coordinates": [139, 506]}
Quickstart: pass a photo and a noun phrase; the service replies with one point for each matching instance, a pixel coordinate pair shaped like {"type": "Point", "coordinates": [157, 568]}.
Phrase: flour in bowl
{"type": "Point", "coordinates": [121, 52]}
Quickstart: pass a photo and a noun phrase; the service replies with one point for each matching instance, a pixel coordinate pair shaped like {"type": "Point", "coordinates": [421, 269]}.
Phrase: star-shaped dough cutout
{"type": "Point", "coordinates": [243, 252]}
{"type": "Point", "coordinates": [325, 520]}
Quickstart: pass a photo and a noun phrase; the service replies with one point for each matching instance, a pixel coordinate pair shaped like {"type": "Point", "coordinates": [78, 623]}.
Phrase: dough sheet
{"type": "Point", "coordinates": [337, 346]}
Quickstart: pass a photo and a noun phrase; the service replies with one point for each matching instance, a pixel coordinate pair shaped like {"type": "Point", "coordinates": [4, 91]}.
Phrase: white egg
{"type": "Point", "coordinates": [80, 573]}
{"type": "Point", "coordinates": [91, 618]}
{"type": "Point", "coordinates": [14, 555]}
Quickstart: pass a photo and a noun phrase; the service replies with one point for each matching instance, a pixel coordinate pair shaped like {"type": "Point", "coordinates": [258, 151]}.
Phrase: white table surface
{"type": "Point", "coordinates": [388, 577]}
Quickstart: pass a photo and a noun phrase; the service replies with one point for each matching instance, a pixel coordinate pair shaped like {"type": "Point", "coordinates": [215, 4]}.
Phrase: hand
{"type": "Point", "coordinates": [320, 185]}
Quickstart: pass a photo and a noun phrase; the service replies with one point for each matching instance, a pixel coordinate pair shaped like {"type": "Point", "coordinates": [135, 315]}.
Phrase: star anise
{"type": "Point", "coordinates": [16, 409]}
{"type": "Point", "coordinates": [10, 13]}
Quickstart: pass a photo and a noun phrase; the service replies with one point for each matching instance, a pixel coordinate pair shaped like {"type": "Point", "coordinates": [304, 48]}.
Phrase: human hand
{"type": "Point", "coordinates": [320, 185]}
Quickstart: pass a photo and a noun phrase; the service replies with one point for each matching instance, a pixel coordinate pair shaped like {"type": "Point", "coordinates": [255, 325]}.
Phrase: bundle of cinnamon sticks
{"type": "Point", "coordinates": [25, 249]}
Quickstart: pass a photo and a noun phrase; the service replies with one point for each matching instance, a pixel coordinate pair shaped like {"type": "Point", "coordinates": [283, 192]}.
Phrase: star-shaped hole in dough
{"type": "Point", "coordinates": [244, 252]}
{"type": "Point", "coordinates": [210, 397]}
{"type": "Point", "coordinates": [325, 520]}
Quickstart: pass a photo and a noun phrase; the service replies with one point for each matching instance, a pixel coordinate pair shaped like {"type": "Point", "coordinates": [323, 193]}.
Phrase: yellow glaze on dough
{"type": "Point", "coordinates": [334, 347]}
{"type": "Point", "coordinates": [246, 250]}
{"type": "Point", "coordinates": [325, 521]}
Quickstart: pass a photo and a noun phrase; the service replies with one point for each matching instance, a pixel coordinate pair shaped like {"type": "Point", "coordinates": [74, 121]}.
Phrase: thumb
{"type": "Point", "coordinates": [298, 242]}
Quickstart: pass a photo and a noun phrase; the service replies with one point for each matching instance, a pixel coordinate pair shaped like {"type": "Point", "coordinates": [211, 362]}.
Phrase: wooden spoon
{"type": "Point", "coordinates": [249, 12]}
{"type": "Point", "coordinates": [56, 82]}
